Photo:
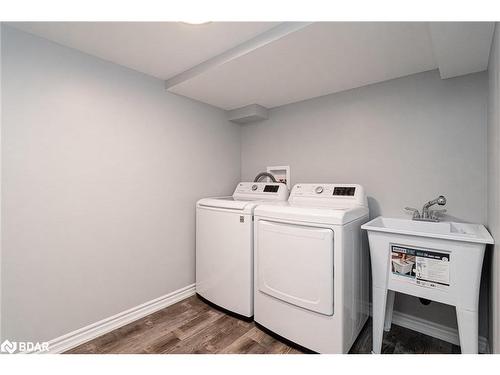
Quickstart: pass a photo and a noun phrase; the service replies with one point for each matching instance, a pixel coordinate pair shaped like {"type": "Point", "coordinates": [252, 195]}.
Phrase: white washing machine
{"type": "Point", "coordinates": [224, 245]}
{"type": "Point", "coordinates": [312, 266]}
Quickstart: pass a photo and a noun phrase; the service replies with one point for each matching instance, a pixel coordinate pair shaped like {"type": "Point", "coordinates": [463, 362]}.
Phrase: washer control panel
{"type": "Point", "coordinates": [261, 190]}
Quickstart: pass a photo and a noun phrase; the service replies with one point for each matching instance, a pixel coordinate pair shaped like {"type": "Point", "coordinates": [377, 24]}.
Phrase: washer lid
{"type": "Point", "coordinates": [322, 215]}
{"type": "Point", "coordinates": [247, 195]}
{"type": "Point", "coordinates": [227, 203]}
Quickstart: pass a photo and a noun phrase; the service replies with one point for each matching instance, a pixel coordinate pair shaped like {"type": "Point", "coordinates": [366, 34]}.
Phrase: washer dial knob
{"type": "Point", "coordinates": [254, 187]}
{"type": "Point", "coordinates": [319, 189]}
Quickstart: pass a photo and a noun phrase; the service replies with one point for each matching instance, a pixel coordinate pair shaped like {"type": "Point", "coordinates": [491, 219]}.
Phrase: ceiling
{"type": "Point", "coordinates": [317, 60]}
{"type": "Point", "coordinates": [160, 49]}
{"type": "Point", "coordinates": [236, 64]}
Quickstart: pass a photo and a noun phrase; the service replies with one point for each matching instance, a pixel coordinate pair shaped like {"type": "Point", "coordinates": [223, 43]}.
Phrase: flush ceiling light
{"type": "Point", "coordinates": [194, 22]}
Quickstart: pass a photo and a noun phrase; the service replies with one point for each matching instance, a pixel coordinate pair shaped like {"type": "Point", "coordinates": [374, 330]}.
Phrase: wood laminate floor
{"type": "Point", "coordinates": [192, 326]}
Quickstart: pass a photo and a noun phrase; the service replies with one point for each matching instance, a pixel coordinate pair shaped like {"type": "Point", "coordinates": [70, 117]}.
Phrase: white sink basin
{"type": "Point", "coordinates": [446, 230]}
{"type": "Point", "coordinates": [439, 261]}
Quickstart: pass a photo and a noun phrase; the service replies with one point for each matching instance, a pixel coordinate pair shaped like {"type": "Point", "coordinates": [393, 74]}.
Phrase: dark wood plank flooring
{"type": "Point", "coordinates": [192, 326]}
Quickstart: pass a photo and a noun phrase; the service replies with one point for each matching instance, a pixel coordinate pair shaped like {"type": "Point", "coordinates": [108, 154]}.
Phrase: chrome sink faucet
{"type": "Point", "coordinates": [428, 215]}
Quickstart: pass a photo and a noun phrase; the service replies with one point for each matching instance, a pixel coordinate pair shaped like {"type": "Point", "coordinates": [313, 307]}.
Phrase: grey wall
{"type": "Point", "coordinates": [494, 185]}
{"type": "Point", "coordinates": [101, 168]}
{"type": "Point", "coordinates": [406, 140]}
{"type": "Point", "coordinates": [101, 171]}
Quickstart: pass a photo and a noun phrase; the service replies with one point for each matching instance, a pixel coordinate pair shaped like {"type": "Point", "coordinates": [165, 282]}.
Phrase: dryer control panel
{"type": "Point", "coordinates": [329, 194]}
{"type": "Point", "coordinates": [261, 191]}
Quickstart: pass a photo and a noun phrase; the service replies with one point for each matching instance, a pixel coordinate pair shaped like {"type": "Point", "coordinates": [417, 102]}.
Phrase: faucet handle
{"type": "Point", "coordinates": [416, 213]}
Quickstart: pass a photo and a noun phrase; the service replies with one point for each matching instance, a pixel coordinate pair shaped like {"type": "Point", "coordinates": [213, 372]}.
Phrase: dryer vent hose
{"type": "Point", "coordinates": [264, 174]}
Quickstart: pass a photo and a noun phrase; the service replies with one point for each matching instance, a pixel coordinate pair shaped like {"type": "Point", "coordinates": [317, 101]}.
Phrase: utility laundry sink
{"type": "Point", "coordinates": [445, 230]}
{"type": "Point", "coordinates": [439, 261]}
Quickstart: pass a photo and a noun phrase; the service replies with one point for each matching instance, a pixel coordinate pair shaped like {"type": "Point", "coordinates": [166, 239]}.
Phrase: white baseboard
{"type": "Point", "coordinates": [82, 335]}
{"type": "Point", "coordinates": [432, 329]}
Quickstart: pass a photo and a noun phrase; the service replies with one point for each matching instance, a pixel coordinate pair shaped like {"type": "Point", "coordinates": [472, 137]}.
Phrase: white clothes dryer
{"type": "Point", "coordinates": [312, 266]}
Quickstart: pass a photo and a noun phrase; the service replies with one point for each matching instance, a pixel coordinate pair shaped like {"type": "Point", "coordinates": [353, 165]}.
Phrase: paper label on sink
{"type": "Point", "coordinates": [422, 267]}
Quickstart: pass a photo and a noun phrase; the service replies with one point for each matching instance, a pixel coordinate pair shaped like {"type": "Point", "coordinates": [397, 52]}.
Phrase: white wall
{"type": "Point", "coordinates": [101, 171]}
{"type": "Point", "coordinates": [494, 185]}
{"type": "Point", "coordinates": [406, 140]}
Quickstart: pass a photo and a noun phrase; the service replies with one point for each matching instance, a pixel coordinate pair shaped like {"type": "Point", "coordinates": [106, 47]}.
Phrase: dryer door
{"type": "Point", "coordinates": [295, 264]}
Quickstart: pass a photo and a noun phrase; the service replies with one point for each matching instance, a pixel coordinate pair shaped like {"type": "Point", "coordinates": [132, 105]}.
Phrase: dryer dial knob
{"type": "Point", "coordinates": [254, 187]}
{"type": "Point", "coordinates": [319, 189]}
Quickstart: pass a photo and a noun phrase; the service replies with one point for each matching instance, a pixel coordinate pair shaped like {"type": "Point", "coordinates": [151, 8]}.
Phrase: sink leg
{"type": "Point", "coordinates": [389, 309]}
{"type": "Point", "coordinates": [379, 307]}
{"type": "Point", "coordinates": [468, 330]}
